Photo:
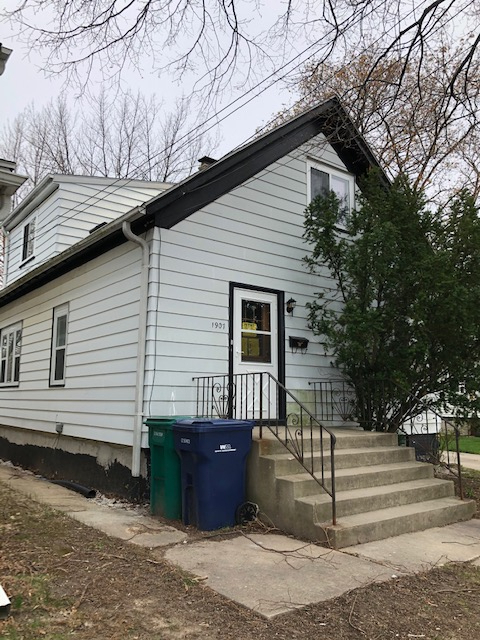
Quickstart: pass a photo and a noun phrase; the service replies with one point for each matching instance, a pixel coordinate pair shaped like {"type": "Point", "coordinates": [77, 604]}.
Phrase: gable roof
{"type": "Point", "coordinates": [180, 201]}
{"type": "Point", "coordinates": [329, 118]}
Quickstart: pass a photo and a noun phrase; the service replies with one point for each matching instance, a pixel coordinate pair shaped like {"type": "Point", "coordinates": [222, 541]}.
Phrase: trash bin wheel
{"type": "Point", "coordinates": [246, 512]}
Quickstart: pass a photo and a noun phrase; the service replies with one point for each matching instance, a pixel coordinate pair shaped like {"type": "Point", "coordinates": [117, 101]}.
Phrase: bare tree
{"type": "Point", "coordinates": [119, 137]}
{"type": "Point", "coordinates": [218, 40]}
{"type": "Point", "coordinates": [414, 126]}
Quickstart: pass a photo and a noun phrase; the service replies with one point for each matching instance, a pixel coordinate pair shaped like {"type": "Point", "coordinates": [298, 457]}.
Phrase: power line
{"type": "Point", "coordinates": [97, 197]}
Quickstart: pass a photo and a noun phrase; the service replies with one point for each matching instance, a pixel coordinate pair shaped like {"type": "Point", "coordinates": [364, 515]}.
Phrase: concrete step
{"type": "Point", "coordinates": [353, 438]}
{"type": "Point", "coordinates": [298, 485]}
{"type": "Point", "coordinates": [381, 490]}
{"type": "Point", "coordinates": [346, 438]}
{"type": "Point", "coordinates": [394, 521]}
{"type": "Point", "coordinates": [285, 463]}
{"type": "Point", "coordinates": [319, 507]}
{"type": "Point", "coordinates": [381, 474]}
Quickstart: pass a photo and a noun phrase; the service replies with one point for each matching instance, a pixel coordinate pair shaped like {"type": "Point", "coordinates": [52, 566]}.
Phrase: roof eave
{"type": "Point", "coordinates": [33, 200]}
{"type": "Point", "coordinates": [180, 201]}
{"type": "Point", "coordinates": [206, 186]}
{"type": "Point", "coordinates": [94, 245]}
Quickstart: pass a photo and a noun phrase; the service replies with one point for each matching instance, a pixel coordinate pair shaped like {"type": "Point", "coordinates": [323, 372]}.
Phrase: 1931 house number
{"type": "Point", "coordinates": [219, 326]}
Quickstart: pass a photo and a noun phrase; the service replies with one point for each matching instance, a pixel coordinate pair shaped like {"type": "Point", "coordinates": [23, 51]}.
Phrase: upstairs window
{"type": "Point", "coordinates": [323, 179]}
{"type": "Point", "coordinates": [28, 240]}
{"type": "Point", "coordinates": [59, 346]}
{"type": "Point", "coordinates": [11, 342]}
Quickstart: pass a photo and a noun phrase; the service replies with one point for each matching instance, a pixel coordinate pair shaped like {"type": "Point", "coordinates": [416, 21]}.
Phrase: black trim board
{"type": "Point", "coordinates": [329, 118]}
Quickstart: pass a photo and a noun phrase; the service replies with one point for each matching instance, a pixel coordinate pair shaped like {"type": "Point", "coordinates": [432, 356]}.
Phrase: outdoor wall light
{"type": "Point", "coordinates": [290, 306]}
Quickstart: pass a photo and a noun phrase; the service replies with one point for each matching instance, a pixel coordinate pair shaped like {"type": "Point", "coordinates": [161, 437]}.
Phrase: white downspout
{"type": "Point", "coordinates": [142, 333]}
{"type": "Point", "coordinates": [3, 203]}
{"type": "Point", "coordinates": [152, 316]}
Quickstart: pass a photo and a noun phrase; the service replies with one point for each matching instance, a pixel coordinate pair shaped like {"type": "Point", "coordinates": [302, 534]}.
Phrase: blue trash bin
{"type": "Point", "coordinates": [212, 454]}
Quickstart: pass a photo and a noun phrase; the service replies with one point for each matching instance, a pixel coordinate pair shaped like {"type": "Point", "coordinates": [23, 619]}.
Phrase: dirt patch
{"type": "Point", "coordinates": [68, 580]}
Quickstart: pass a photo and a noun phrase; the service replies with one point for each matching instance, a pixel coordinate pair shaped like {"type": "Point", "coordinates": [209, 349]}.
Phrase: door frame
{"type": "Point", "coordinates": [282, 407]}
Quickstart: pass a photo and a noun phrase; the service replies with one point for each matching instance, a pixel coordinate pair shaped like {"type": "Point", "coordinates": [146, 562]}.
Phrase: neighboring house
{"type": "Point", "coordinates": [4, 56]}
{"type": "Point", "coordinates": [9, 183]}
{"type": "Point", "coordinates": [101, 328]}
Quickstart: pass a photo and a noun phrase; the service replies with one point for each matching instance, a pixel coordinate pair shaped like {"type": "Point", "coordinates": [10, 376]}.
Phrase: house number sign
{"type": "Point", "coordinates": [217, 325]}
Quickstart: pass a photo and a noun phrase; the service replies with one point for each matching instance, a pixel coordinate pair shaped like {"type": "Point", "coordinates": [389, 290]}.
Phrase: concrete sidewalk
{"type": "Point", "coordinates": [470, 461]}
{"type": "Point", "coordinates": [268, 573]}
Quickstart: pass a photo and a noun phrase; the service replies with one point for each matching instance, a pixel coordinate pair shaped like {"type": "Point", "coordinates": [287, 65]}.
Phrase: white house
{"type": "Point", "coordinates": [103, 326]}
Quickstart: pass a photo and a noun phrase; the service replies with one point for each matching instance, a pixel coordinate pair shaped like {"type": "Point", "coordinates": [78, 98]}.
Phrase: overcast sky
{"type": "Point", "coordinates": [24, 83]}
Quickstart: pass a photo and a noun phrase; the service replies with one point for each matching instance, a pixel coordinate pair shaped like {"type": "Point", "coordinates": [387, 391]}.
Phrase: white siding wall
{"type": "Point", "coordinates": [86, 205]}
{"type": "Point", "coordinates": [46, 216]}
{"type": "Point", "coordinates": [69, 214]}
{"type": "Point", "coordinates": [252, 236]}
{"type": "Point", "coordinates": [97, 401]}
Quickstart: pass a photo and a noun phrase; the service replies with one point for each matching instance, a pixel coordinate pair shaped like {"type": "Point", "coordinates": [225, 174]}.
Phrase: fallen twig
{"type": "Point", "coordinates": [350, 617]}
{"type": "Point", "coordinates": [457, 590]}
{"type": "Point", "coordinates": [289, 553]}
{"type": "Point", "coordinates": [81, 598]}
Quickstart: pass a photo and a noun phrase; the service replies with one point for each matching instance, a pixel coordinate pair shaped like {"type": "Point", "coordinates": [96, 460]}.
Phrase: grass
{"type": "Point", "coordinates": [468, 444]}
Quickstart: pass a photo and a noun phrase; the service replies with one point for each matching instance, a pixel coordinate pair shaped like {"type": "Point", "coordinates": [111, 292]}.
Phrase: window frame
{"type": "Point", "coordinates": [331, 171]}
{"type": "Point", "coordinates": [12, 329]}
{"type": "Point", "coordinates": [62, 311]}
{"type": "Point", "coordinates": [28, 240]}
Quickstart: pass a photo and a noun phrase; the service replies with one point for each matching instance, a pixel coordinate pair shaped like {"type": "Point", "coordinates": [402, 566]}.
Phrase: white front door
{"type": "Point", "coordinates": [255, 351]}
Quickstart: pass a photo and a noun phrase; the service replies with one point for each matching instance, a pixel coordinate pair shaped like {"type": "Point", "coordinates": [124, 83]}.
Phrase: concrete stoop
{"type": "Point", "coordinates": [381, 490]}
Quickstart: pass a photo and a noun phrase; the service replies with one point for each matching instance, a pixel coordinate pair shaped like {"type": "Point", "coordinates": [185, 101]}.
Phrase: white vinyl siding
{"type": "Point", "coordinates": [10, 349]}
{"type": "Point", "coordinates": [58, 360]}
{"type": "Point", "coordinates": [69, 214]}
{"type": "Point", "coordinates": [97, 401]}
{"type": "Point", "coordinates": [251, 236]}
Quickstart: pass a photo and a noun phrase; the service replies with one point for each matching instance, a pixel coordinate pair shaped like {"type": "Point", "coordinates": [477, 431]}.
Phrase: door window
{"type": "Point", "coordinates": [256, 331]}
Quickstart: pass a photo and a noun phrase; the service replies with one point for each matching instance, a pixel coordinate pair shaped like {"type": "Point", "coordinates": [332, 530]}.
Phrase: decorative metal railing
{"type": "Point", "coordinates": [414, 418]}
{"type": "Point", "coordinates": [432, 435]}
{"type": "Point", "coordinates": [262, 398]}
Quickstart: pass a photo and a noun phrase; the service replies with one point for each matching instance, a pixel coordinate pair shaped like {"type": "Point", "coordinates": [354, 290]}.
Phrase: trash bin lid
{"type": "Point", "coordinates": [163, 421]}
{"type": "Point", "coordinates": [211, 424]}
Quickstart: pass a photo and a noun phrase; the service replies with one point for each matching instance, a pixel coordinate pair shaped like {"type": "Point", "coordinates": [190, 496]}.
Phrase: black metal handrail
{"type": "Point", "coordinates": [258, 397]}
{"type": "Point", "coordinates": [425, 428]}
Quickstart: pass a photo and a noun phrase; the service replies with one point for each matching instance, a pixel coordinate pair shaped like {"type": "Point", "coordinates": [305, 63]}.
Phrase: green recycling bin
{"type": "Point", "coordinates": [165, 478]}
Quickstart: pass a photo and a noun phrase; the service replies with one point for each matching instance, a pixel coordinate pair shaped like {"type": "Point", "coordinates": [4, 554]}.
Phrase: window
{"type": "Point", "coordinates": [11, 342]}
{"type": "Point", "coordinates": [59, 346]}
{"type": "Point", "coordinates": [256, 332]}
{"type": "Point", "coordinates": [28, 240]}
{"type": "Point", "coordinates": [323, 179]}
